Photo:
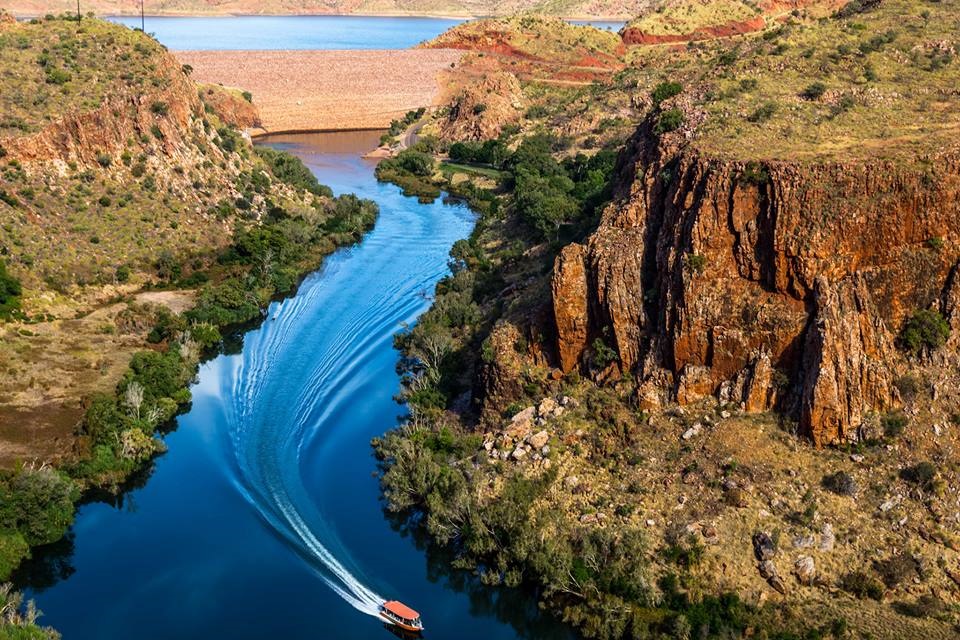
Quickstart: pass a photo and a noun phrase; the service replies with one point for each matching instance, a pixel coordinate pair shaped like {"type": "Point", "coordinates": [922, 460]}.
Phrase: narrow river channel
{"type": "Point", "coordinates": [263, 519]}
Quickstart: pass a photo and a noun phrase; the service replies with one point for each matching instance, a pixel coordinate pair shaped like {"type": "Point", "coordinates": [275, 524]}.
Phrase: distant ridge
{"type": "Point", "coordinates": [587, 9]}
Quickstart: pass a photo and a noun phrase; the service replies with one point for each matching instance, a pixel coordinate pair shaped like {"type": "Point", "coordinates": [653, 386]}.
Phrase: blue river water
{"type": "Point", "coordinates": [299, 32]}
{"type": "Point", "coordinates": [263, 519]}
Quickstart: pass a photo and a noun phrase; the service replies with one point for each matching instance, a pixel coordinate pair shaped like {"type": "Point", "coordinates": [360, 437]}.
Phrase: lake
{"type": "Point", "coordinates": [264, 518]}
{"type": "Point", "coordinates": [299, 32]}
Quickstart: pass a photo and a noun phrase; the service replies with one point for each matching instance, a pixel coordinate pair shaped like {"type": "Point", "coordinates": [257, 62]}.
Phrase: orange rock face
{"type": "Point", "coordinates": [768, 285]}
{"type": "Point", "coordinates": [81, 136]}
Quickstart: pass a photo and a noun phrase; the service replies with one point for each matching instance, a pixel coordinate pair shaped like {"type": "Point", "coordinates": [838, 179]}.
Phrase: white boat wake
{"type": "Point", "coordinates": [304, 365]}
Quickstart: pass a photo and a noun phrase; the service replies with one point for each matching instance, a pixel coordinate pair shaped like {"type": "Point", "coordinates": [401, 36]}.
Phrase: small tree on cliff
{"type": "Point", "coordinates": [925, 331]}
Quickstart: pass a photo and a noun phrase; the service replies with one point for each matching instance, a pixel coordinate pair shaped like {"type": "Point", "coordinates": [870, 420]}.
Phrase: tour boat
{"type": "Point", "coordinates": [401, 615]}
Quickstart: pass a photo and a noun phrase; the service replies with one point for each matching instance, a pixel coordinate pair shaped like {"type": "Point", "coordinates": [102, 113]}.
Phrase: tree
{"type": "Point", "coordinates": [133, 397]}
{"type": "Point", "coordinates": [544, 202]}
{"type": "Point", "coordinates": [925, 330]}
{"type": "Point", "coordinates": [10, 292]}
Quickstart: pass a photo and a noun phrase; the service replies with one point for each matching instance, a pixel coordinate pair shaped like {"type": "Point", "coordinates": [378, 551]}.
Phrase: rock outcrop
{"type": "Point", "coordinates": [768, 284]}
{"type": "Point", "coordinates": [481, 110]}
{"type": "Point", "coordinates": [165, 114]}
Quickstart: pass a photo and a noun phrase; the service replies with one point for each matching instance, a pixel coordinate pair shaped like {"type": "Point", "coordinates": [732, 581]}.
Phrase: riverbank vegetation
{"type": "Point", "coordinates": [118, 434]}
{"type": "Point", "coordinates": [18, 619]}
{"type": "Point", "coordinates": [543, 521]}
{"type": "Point", "coordinates": [531, 476]}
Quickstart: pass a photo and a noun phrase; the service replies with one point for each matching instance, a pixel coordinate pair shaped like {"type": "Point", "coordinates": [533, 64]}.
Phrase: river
{"type": "Point", "coordinates": [300, 32]}
{"type": "Point", "coordinates": [264, 519]}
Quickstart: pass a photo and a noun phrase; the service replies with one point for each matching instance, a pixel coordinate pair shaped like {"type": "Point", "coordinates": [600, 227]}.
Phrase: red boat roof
{"type": "Point", "coordinates": [400, 609]}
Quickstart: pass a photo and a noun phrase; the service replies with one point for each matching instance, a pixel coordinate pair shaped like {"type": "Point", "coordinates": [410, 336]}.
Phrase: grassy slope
{"type": "Point", "coordinates": [620, 471]}
{"type": "Point", "coordinates": [681, 18]}
{"type": "Point", "coordinates": [548, 39]}
{"type": "Point", "coordinates": [888, 78]}
{"type": "Point", "coordinates": [72, 229]}
{"type": "Point", "coordinates": [100, 60]}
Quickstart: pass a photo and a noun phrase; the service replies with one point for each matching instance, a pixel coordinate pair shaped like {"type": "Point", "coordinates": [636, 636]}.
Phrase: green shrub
{"type": "Point", "coordinates": [415, 162]}
{"type": "Point", "coordinates": [755, 173]}
{"type": "Point", "coordinates": [665, 91]}
{"type": "Point", "coordinates": [10, 292]}
{"type": "Point", "coordinates": [909, 385]}
{"type": "Point", "coordinates": [814, 91]}
{"type": "Point", "coordinates": [763, 113]}
{"type": "Point", "coordinates": [840, 483]}
{"type": "Point", "coordinates": [696, 262]}
{"type": "Point", "coordinates": [160, 108]}
{"type": "Point", "coordinates": [921, 474]}
{"type": "Point", "coordinates": [537, 111]}
{"type": "Point", "coordinates": [247, 96]}
{"type": "Point", "coordinates": [925, 330]}
{"type": "Point", "coordinates": [57, 76]}
{"type": "Point", "coordinates": [896, 569]}
{"type": "Point", "coordinates": [38, 504]}
{"type": "Point", "coordinates": [288, 168]}
{"type": "Point", "coordinates": [893, 424]}
{"type": "Point", "coordinates": [13, 550]}
{"type": "Point", "coordinates": [862, 585]}
{"type": "Point", "coordinates": [669, 120]}
{"type": "Point", "coordinates": [603, 355]}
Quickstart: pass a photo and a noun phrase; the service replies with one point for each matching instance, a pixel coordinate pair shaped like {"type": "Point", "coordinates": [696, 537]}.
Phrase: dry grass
{"type": "Point", "coordinates": [658, 482]}
{"type": "Point", "coordinates": [47, 368]}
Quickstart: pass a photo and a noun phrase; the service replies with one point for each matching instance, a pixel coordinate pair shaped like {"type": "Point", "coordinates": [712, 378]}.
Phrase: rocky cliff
{"type": "Point", "coordinates": [772, 285]}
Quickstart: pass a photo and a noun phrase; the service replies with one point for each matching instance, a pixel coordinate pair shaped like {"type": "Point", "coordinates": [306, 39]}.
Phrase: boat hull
{"type": "Point", "coordinates": [401, 625]}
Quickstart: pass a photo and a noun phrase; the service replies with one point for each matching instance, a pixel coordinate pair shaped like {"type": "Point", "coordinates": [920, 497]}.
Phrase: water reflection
{"type": "Point", "coordinates": [518, 607]}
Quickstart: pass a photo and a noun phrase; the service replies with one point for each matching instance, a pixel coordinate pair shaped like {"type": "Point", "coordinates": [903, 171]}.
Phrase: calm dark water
{"type": "Point", "coordinates": [291, 32]}
{"type": "Point", "coordinates": [301, 32]}
{"type": "Point", "coordinates": [263, 519]}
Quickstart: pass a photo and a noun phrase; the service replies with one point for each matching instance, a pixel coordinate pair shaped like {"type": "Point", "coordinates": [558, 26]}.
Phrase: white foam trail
{"type": "Point", "coordinates": [279, 397]}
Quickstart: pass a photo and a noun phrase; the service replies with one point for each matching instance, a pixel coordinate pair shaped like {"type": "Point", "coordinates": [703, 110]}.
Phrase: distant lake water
{"type": "Point", "coordinates": [299, 32]}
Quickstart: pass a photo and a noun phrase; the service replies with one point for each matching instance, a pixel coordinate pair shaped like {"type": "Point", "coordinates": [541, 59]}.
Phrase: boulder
{"type": "Point", "coordinates": [763, 547]}
{"type": "Point", "coordinates": [521, 424]}
{"type": "Point", "coordinates": [805, 570]}
{"type": "Point", "coordinates": [539, 439]}
{"type": "Point", "coordinates": [692, 432]}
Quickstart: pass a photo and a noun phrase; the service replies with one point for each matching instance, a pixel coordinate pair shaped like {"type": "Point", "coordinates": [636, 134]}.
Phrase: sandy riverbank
{"type": "Point", "coordinates": [327, 90]}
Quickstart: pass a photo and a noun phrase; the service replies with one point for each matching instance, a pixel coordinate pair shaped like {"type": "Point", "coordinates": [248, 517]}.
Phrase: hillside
{"type": "Point", "coordinates": [683, 20]}
{"type": "Point", "coordinates": [136, 222]}
{"type": "Point", "coordinates": [708, 321]}
{"type": "Point", "coordinates": [117, 172]}
{"type": "Point", "coordinates": [615, 10]}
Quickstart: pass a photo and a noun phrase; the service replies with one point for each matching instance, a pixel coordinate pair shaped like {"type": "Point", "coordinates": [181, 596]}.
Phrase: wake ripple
{"type": "Point", "coordinates": [298, 368]}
